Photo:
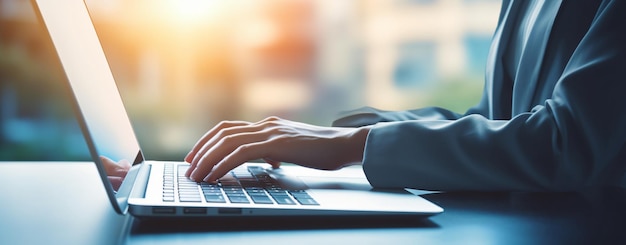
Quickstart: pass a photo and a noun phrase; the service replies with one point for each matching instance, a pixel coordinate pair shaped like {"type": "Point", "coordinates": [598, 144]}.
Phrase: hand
{"type": "Point", "coordinates": [116, 172]}
{"type": "Point", "coordinates": [275, 140]}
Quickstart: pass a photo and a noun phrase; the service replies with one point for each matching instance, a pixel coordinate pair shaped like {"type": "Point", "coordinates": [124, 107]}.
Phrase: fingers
{"type": "Point", "coordinates": [210, 134]}
{"type": "Point", "coordinates": [223, 129]}
{"type": "Point", "coordinates": [201, 146]}
{"type": "Point", "coordinates": [242, 154]}
{"type": "Point", "coordinates": [274, 163]}
{"type": "Point", "coordinates": [223, 150]}
{"type": "Point", "coordinates": [221, 134]}
{"type": "Point", "coordinates": [228, 145]}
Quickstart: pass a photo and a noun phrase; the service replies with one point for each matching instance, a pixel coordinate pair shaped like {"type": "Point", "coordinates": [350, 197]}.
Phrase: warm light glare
{"type": "Point", "coordinates": [184, 65]}
{"type": "Point", "coordinates": [191, 10]}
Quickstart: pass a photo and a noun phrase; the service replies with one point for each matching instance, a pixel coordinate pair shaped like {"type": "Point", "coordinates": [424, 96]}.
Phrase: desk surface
{"type": "Point", "coordinates": [56, 203]}
{"type": "Point", "coordinates": [41, 205]}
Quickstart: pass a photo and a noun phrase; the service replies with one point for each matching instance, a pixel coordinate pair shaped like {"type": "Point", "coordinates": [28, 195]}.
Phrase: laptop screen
{"type": "Point", "coordinates": [100, 110]}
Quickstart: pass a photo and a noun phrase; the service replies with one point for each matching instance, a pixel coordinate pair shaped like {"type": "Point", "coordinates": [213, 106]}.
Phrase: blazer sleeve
{"type": "Point", "coordinates": [574, 139]}
{"type": "Point", "coordinates": [370, 116]}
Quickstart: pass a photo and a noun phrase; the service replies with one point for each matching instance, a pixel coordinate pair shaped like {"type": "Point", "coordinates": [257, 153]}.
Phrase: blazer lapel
{"type": "Point", "coordinates": [532, 58]}
{"type": "Point", "coordinates": [494, 73]}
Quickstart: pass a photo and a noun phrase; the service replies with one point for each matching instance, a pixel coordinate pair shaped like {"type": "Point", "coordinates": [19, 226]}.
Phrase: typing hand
{"type": "Point", "coordinates": [275, 140]}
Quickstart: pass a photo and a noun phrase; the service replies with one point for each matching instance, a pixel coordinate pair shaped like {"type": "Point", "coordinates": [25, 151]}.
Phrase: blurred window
{"type": "Point", "coordinates": [416, 64]}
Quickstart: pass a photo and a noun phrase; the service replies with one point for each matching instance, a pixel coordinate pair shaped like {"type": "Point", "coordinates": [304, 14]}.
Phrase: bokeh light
{"type": "Point", "coordinates": [184, 65]}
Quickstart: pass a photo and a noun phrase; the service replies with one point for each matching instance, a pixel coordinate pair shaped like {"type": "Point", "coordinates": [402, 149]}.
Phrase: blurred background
{"type": "Point", "coordinates": [184, 65]}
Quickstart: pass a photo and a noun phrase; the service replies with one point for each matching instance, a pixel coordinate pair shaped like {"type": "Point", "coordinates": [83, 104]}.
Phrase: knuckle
{"type": "Point", "coordinates": [271, 125]}
{"type": "Point", "coordinates": [270, 119]}
{"type": "Point", "coordinates": [222, 125]}
{"type": "Point", "coordinates": [225, 132]}
{"type": "Point", "coordinates": [229, 132]}
{"type": "Point", "coordinates": [226, 124]}
{"type": "Point", "coordinates": [244, 149]}
{"type": "Point", "coordinates": [228, 139]}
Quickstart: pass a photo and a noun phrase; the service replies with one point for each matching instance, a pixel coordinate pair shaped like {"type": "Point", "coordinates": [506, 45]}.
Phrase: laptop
{"type": "Point", "coordinates": [160, 189]}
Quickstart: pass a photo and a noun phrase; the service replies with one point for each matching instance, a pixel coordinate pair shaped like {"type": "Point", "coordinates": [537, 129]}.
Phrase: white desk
{"type": "Point", "coordinates": [56, 203]}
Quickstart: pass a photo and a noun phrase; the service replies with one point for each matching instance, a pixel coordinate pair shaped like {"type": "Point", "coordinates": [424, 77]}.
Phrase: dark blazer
{"type": "Point", "coordinates": [558, 124]}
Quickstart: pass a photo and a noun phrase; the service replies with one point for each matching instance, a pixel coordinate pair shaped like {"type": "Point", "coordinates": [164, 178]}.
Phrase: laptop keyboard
{"type": "Point", "coordinates": [242, 186]}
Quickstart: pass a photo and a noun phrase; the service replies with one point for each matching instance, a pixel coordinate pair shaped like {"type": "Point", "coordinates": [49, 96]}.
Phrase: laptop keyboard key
{"type": "Point", "coordinates": [284, 200]}
{"type": "Point", "coordinates": [299, 194]}
{"type": "Point", "coordinates": [261, 199]}
{"type": "Point", "coordinates": [215, 198]}
{"type": "Point", "coordinates": [238, 199]}
{"type": "Point", "coordinates": [254, 185]}
{"type": "Point", "coordinates": [307, 201]}
{"type": "Point", "coordinates": [190, 199]}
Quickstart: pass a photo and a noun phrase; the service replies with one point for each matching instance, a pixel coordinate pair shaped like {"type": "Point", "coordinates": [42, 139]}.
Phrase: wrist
{"type": "Point", "coordinates": [355, 145]}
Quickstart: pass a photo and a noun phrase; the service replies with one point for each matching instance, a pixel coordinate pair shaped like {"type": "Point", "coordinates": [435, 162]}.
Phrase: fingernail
{"type": "Point", "coordinates": [193, 177]}
{"type": "Point", "coordinates": [206, 179]}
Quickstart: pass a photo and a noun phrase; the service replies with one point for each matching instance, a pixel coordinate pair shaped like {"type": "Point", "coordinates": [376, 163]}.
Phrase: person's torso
{"type": "Point", "coordinates": [542, 38]}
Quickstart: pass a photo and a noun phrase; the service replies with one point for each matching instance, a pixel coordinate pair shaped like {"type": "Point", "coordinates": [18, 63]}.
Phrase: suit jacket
{"type": "Point", "coordinates": [558, 124]}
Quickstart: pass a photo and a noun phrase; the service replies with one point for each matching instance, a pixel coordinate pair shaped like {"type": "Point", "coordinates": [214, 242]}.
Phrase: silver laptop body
{"type": "Point", "coordinates": [151, 188]}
